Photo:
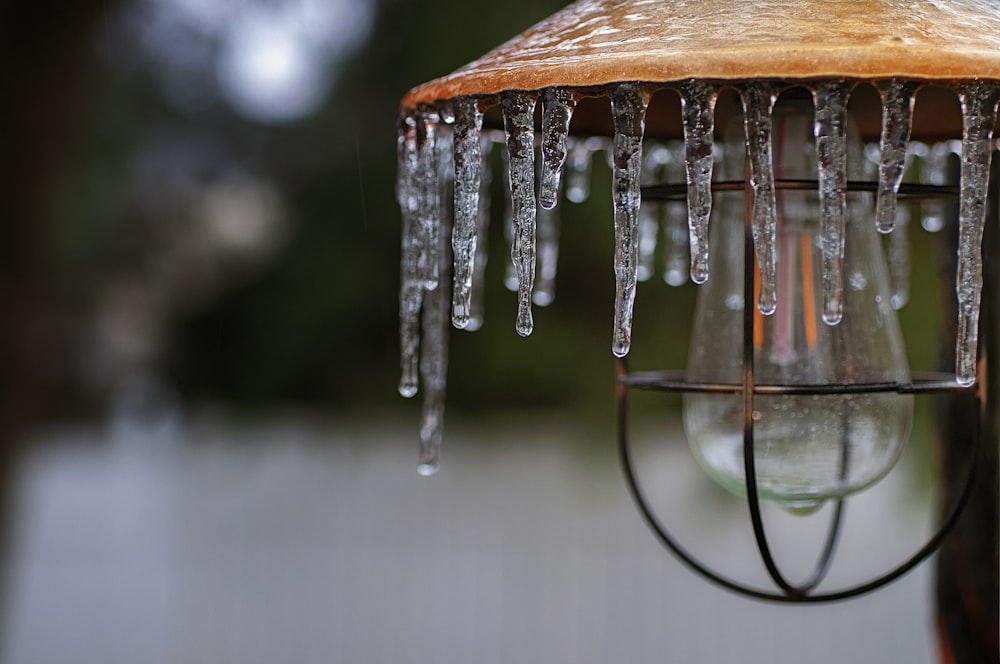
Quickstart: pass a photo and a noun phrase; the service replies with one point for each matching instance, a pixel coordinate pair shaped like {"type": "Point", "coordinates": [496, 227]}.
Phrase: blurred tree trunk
{"type": "Point", "coordinates": [45, 47]}
{"type": "Point", "coordinates": [967, 572]}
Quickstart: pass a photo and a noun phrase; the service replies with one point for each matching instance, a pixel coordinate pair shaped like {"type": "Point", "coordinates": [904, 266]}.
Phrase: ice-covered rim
{"type": "Point", "coordinates": [441, 150]}
{"type": "Point", "coordinates": [598, 42]}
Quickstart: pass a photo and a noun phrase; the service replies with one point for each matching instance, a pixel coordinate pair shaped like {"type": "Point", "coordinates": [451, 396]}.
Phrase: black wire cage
{"type": "Point", "coordinates": [927, 383]}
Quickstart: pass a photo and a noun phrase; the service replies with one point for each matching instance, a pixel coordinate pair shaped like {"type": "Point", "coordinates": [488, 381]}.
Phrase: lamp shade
{"type": "Point", "coordinates": [598, 42]}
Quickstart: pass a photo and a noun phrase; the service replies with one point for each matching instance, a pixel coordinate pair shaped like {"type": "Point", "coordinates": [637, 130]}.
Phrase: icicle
{"type": "Point", "coordinates": [830, 99]}
{"type": "Point", "coordinates": [428, 193]}
{"type": "Point", "coordinates": [519, 123]}
{"type": "Point", "coordinates": [411, 286]}
{"type": "Point", "coordinates": [482, 233]}
{"type": "Point", "coordinates": [581, 152]}
{"type": "Point", "coordinates": [979, 109]}
{"type": "Point", "coordinates": [698, 111]}
{"type": "Point", "coordinates": [548, 256]}
{"type": "Point", "coordinates": [897, 109]}
{"type": "Point", "coordinates": [654, 156]}
{"type": "Point", "coordinates": [628, 108]}
{"type": "Point", "coordinates": [464, 240]}
{"type": "Point", "coordinates": [676, 261]}
{"type": "Point", "coordinates": [899, 259]}
{"type": "Point", "coordinates": [557, 109]}
{"type": "Point", "coordinates": [434, 364]}
{"type": "Point", "coordinates": [758, 102]}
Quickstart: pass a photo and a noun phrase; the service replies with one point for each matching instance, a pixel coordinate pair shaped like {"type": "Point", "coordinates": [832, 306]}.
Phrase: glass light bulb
{"type": "Point", "coordinates": [808, 448]}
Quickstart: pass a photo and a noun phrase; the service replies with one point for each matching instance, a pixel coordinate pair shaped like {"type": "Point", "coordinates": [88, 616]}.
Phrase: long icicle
{"type": "Point", "coordinates": [411, 289]}
{"type": "Point", "coordinates": [758, 103]}
{"type": "Point", "coordinates": [464, 237]}
{"type": "Point", "coordinates": [557, 110]}
{"type": "Point", "coordinates": [698, 116]}
{"type": "Point", "coordinates": [897, 111]}
{"type": "Point", "coordinates": [979, 111]}
{"type": "Point", "coordinates": [519, 124]}
{"type": "Point", "coordinates": [628, 109]}
{"type": "Point", "coordinates": [434, 363]}
{"type": "Point", "coordinates": [830, 99]}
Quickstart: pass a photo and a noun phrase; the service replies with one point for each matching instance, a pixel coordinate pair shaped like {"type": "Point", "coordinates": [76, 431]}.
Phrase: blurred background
{"type": "Point", "coordinates": [204, 455]}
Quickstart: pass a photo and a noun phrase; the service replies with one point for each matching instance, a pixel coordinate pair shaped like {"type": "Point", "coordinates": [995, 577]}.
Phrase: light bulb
{"type": "Point", "coordinates": [808, 448]}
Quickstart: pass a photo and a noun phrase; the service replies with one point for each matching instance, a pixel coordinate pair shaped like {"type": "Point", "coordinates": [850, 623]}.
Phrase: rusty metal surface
{"type": "Point", "coordinates": [596, 42]}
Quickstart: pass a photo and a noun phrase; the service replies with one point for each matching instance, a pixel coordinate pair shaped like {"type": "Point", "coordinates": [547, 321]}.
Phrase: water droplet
{"type": "Point", "coordinates": [801, 507]}
{"type": "Point", "coordinates": [428, 467]}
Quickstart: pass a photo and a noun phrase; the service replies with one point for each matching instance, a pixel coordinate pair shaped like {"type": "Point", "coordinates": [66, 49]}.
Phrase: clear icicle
{"type": "Point", "coordinates": [676, 261]}
{"type": "Point", "coordinates": [830, 99]}
{"type": "Point", "coordinates": [519, 124]}
{"type": "Point", "coordinates": [411, 285]}
{"type": "Point", "coordinates": [979, 109]}
{"type": "Point", "coordinates": [434, 365]}
{"type": "Point", "coordinates": [548, 256]}
{"type": "Point", "coordinates": [899, 259]}
{"type": "Point", "coordinates": [654, 156]}
{"type": "Point", "coordinates": [897, 110]}
{"type": "Point", "coordinates": [482, 234]}
{"type": "Point", "coordinates": [628, 109]}
{"type": "Point", "coordinates": [557, 110]}
{"type": "Point", "coordinates": [698, 116]}
{"type": "Point", "coordinates": [464, 238]}
{"type": "Point", "coordinates": [578, 163]}
{"type": "Point", "coordinates": [428, 195]}
{"type": "Point", "coordinates": [758, 102]}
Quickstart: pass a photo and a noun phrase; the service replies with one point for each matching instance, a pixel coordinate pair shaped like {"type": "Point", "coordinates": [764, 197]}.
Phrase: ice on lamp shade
{"type": "Point", "coordinates": [838, 241]}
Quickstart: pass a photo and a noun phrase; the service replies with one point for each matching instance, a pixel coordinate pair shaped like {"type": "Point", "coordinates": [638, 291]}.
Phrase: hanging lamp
{"type": "Point", "coordinates": [796, 309]}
